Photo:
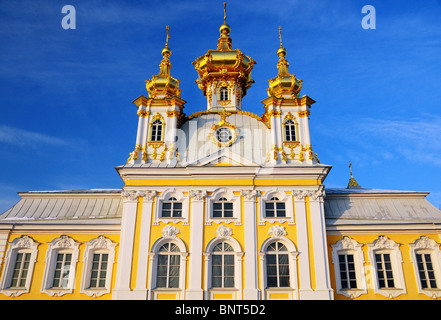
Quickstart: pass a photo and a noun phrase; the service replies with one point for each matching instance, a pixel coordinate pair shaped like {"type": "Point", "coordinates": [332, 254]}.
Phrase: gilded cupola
{"type": "Point", "coordinates": [224, 74]}
{"type": "Point", "coordinates": [163, 85]}
{"type": "Point", "coordinates": [284, 85]}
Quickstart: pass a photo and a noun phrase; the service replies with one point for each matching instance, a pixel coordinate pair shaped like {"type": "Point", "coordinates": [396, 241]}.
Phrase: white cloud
{"type": "Point", "coordinates": [23, 137]}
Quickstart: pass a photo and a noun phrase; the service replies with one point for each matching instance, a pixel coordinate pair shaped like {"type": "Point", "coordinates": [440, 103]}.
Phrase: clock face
{"type": "Point", "coordinates": [224, 135]}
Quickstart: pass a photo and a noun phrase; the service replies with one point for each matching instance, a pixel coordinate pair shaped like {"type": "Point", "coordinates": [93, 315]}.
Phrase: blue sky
{"type": "Point", "coordinates": [67, 118]}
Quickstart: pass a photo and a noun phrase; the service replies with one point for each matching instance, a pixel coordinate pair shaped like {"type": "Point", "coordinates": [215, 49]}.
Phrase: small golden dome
{"type": "Point", "coordinates": [166, 51]}
{"type": "Point", "coordinates": [163, 84]}
{"type": "Point", "coordinates": [225, 27]}
{"type": "Point", "coordinates": [280, 51]}
{"type": "Point", "coordinates": [284, 84]}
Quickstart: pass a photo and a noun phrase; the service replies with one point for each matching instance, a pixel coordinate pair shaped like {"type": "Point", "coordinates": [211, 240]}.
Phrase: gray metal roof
{"type": "Point", "coordinates": [378, 206]}
{"type": "Point", "coordinates": [75, 206]}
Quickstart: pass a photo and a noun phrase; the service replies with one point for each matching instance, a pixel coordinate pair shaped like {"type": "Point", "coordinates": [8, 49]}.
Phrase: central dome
{"type": "Point", "coordinates": [224, 68]}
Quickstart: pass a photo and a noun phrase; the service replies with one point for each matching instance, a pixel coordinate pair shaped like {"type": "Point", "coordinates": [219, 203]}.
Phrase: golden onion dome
{"type": "Point", "coordinates": [163, 85]}
{"type": "Point", "coordinates": [284, 84]}
{"type": "Point", "coordinates": [224, 63]}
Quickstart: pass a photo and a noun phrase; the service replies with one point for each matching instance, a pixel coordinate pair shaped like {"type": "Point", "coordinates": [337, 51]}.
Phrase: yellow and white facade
{"type": "Point", "coordinates": [222, 204]}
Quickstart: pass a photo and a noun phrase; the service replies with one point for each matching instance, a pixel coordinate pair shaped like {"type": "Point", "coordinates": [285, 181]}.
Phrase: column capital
{"type": "Point", "coordinates": [249, 195]}
{"type": "Point", "coordinates": [197, 195]}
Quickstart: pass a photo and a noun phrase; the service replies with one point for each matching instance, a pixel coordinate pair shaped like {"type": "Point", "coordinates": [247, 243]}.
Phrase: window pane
{"type": "Point", "coordinates": [166, 205]}
{"type": "Point", "coordinates": [229, 259]}
{"type": "Point", "coordinates": [229, 282]}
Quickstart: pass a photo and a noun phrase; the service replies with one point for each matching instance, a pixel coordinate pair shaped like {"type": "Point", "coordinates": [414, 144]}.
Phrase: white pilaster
{"type": "Point", "coordinates": [251, 291]}
{"type": "Point", "coordinates": [124, 267]}
{"type": "Point", "coordinates": [305, 290]}
{"type": "Point", "coordinates": [323, 289]}
{"type": "Point", "coordinates": [140, 292]}
{"type": "Point", "coordinates": [195, 291]}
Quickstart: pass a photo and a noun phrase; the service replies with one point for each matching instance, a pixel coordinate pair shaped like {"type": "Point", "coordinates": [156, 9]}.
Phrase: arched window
{"type": "Point", "coordinates": [222, 208]}
{"type": "Point", "coordinates": [223, 94]}
{"type": "Point", "coordinates": [222, 271]}
{"type": "Point", "coordinates": [156, 131]}
{"type": "Point", "coordinates": [275, 208]}
{"type": "Point", "coordinates": [167, 275]}
{"type": "Point", "coordinates": [171, 208]}
{"type": "Point", "coordinates": [277, 266]}
{"type": "Point", "coordinates": [290, 130]}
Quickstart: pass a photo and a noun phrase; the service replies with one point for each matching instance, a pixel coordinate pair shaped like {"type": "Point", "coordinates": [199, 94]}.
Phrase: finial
{"type": "Point", "coordinates": [225, 13]}
{"type": "Point", "coordinates": [280, 36]}
{"type": "Point", "coordinates": [352, 184]}
{"type": "Point", "coordinates": [168, 36]}
{"type": "Point", "coordinates": [166, 52]}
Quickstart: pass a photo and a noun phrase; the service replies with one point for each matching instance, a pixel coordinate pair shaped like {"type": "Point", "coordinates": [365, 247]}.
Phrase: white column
{"type": "Point", "coordinates": [305, 290]}
{"type": "Point", "coordinates": [124, 267]}
{"type": "Point", "coordinates": [195, 291]}
{"type": "Point", "coordinates": [251, 291]}
{"type": "Point", "coordinates": [323, 290]}
{"type": "Point", "coordinates": [140, 292]}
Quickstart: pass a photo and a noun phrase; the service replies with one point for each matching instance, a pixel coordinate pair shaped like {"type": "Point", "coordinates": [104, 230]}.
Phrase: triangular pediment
{"type": "Point", "coordinates": [223, 157]}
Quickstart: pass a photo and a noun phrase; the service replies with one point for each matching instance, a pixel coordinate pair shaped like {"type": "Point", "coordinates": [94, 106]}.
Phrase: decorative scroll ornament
{"type": "Point", "coordinates": [384, 242]}
{"type": "Point", "coordinates": [277, 231]}
{"type": "Point", "coordinates": [424, 242]}
{"type": "Point", "coordinates": [170, 232]}
{"type": "Point", "coordinates": [224, 232]}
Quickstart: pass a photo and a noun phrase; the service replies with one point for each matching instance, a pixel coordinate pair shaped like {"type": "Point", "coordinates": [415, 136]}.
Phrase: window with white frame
{"type": "Point", "coordinates": [348, 276]}
{"type": "Point", "coordinates": [156, 131]}
{"type": "Point", "coordinates": [274, 208]}
{"type": "Point", "coordinates": [168, 266]}
{"type": "Point", "coordinates": [19, 266]}
{"type": "Point", "coordinates": [172, 205]}
{"type": "Point", "coordinates": [386, 259]}
{"type": "Point", "coordinates": [171, 208]}
{"type": "Point", "coordinates": [425, 255]}
{"type": "Point", "coordinates": [98, 265]}
{"type": "Point", "coordinates": [98, 272]}
{"type": "Point", "coordinates": [222, 208]}
{"type": "Point", "coordinates": [290, 130]}
{"type": "Point", "coordinates": [223, 94]}
{"type": "Point", "coordinates": [385, 275]}
{"type": "Point", "coordinates": [348, 260]}
{"type": "Point", "coordinates": [426, 271]}
{"type": "Point", "coordinates": [222, 266]}
{"type": "Point", "coordinates": [61, 259]}
{"type": "Point", "coordinates": [277, 265]}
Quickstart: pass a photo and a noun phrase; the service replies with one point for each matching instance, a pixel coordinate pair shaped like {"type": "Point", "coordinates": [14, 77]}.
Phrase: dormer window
{"type": "Point", "coordinates": [156, 131]}
{"type": "Point", "coordinates": [223, 94]}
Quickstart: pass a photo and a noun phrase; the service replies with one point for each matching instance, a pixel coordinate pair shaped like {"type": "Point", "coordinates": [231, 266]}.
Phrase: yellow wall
{"type": "Point", "coordinates": [408, 267]}
{"type": "Point", "coordinates": [39, 267]}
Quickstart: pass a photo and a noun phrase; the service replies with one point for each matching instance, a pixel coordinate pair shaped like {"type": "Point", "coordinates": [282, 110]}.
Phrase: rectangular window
{"type": "Point", "coordinates": [347, 271]}
{"type": "Point", "coordinates": [384, 270]}
{"type": "Point", "coordinates": [168, 271]}
{"type": "Point", "coordinates": [425, 270]}
{"type": "Point", "coordinates": [20, 272]}
{"type": "Point", "coordinates": [222, 210]}
{"type": "Point", "coordinates": [222, 271]}
{"type": "Point", "coordinates": [62, 268]}
{"type": "Point", "coordinates": [99, 270]}
{"type": "Point", "coordinates": [277, 270]}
